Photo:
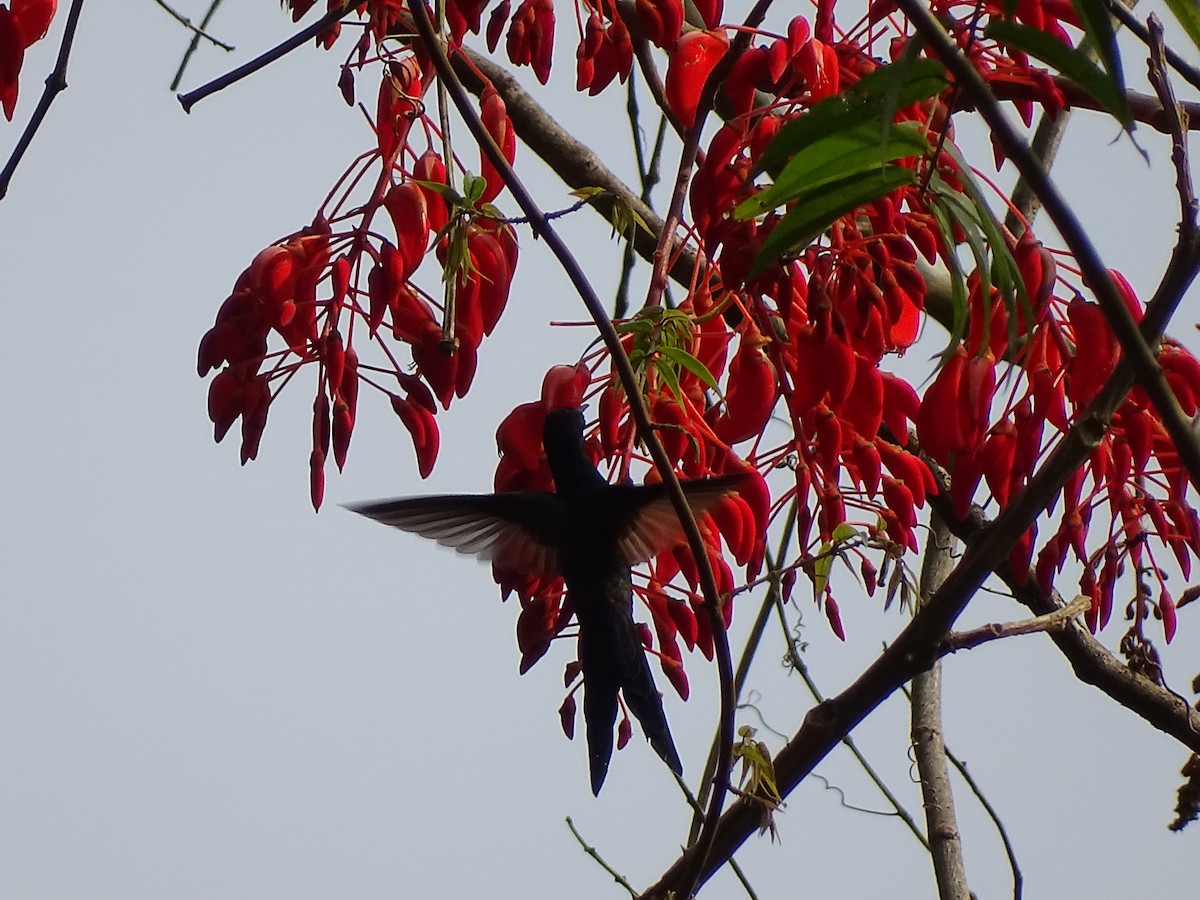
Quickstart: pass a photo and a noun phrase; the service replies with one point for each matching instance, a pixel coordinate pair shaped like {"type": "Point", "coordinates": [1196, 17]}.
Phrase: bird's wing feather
{"type": "Point", "coordinates": [515, 530]}
{"type": "Point", "coordinates": [654, 526]}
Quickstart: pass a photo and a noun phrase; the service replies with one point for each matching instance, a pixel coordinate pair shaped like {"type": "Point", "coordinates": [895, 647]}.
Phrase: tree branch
{"type": "Point", "coordinates": [213, 6]}
{"type": "Point", "coordinates": [929, 747]}
{"type": "Point", "coordinates": [1052, 621]}
{"type": "Point", "coordinates": [1125, 15]}
{"type": "Point", "coordinates": [1018, 878]}
{"type": "Point", "coordinates": [190, 99]}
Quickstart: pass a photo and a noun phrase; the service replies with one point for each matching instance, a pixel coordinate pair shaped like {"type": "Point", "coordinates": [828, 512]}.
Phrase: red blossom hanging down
{"type": "Point", "coordinates": [781, 365]}
{"type": "Point", "coordinates": [22, 23]}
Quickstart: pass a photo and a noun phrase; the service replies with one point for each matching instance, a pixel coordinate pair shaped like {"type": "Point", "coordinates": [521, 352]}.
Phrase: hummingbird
{"type": "Point", "coordinates": [590, 533]}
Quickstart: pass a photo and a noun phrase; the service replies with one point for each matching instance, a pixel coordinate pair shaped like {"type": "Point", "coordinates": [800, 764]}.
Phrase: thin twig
{"type": "Point", "coordinates": [646, 65]}
{"type": "Point", "coordinates": [448, 342]}
{"type": "Point", "coordinates": [698, 811]}
{"type": "Point", "coordinates": [300, 38]}
{"type": "Point", "coordinates": [595, 854]}
{"type": "Point", "coordinates": [697, 854]}
{"type": "Point", "coordinates": [800, 667]}
{"type": "Point", "coordinates": [1047, 138]}
{"type": "Point", "coordinates": [197, 30]}
{"type": "Point", "coordinates": [1144, 108]}
{"type": "Point", "coordinates": [1018, 878]}
{"type": "Point", "coordinates": [193, 46]}
{"type": "Point", "coordinates": [691, 146]}
{"type": "Point", "coordinates": [1046, 141]}
{"type": "Point", "coordinates": [1177, 121]}
{"type": "Point", "coordinates": [575, 162]}
{"type": "Point", "coordinates": [748, 653]}
{"type": "Point", "coordinates": [56, 83]}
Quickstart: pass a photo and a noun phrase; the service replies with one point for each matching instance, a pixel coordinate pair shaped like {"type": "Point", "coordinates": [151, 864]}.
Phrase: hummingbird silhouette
{"type": "Point", "coordinates": [590, 533]}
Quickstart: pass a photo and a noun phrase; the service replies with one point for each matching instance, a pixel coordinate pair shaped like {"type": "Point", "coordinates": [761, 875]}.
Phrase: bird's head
{"type": "Point", "coordinates": [562, 437]}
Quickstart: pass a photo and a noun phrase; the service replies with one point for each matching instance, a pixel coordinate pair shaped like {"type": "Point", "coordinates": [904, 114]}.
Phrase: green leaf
{"type": "Point", "coordinates": [900, 69]}
{"type": "Point", "coordinates": [861, 103]}
{"type": "Point", "coordinates": [816, 211]}
{"type": "Point", "coordinates": [837, 157]}
{"type": "Point", "coordinates": [473, 187]}
{"type": "Point", "coordinates": [671, 377]}
{"type": "Point", "coordinates": [1005, 271]}
{"type": "Point", "coordinates": [1097, 23]}
{"type": "Point", "coordinates": [844, 532]}
{"type": "Point", "coordinates": [965, 215]}
{"type": "Point", "coordinates": [831, 550]}
{"type": "Point", "coordinates": [685, 360]}
{"type": "Point", "coordinates": [636, 325]}
{"type": "Point", "coordinates": [1107, 89]}
{"type": "Point", "coordinates": [958, 283]}
{"type": "Point", "coordinates": [1187, 14]}
{"type": "Point", "coordinates": [822, 566]}
{"type": "Point", "coordinates": [447, 193]}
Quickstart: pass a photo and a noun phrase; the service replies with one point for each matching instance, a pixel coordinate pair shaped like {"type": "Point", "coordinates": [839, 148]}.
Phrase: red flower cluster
{"type": "Point", "coordinates": [764, 365]}
{"type": "Point", "coordinates": [344, 283]}
{"type": "Point", "coordinates": [1067, 353]}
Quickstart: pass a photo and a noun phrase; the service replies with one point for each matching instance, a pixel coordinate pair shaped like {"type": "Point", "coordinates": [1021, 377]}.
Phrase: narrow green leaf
{"type": "Point", "coordinates": [1187, 14]}
{"type": "Point", "coordinates": [831, 550]}
{"type": "Point", "coordinates": [958, 284]}
{"type": "Point", "coordinates": [808, 219]}
{"type": "Point", "coordinates": [671, 377]}
{"type": "Point", "coordinates": [860, 103]}
{"type": "Point", "coordinates": [822, 566]}
{"type": "Point", "coordinates": [1098, 24]}
{"type": "Point", "coordinates": [1075, 64]}
{"type": "Point", "coordinates": [685, 360]}
{"type": "Point", "coordinates": [447, 193]}
{"type": "Point", "coordinates": [635, 325]}
{"type": "Point", "coordinates": [1005, 271]}
{"type": "Point", "coordinates": [964, 214]}
{"type": "Point", "coordinates": [837, 157]}
{"type": "Point", "coordinates": [900, 69]}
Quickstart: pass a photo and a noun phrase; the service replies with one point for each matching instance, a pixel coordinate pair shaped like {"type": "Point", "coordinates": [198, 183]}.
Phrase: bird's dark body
{"type": "Point", "coordinates": [590, 533]}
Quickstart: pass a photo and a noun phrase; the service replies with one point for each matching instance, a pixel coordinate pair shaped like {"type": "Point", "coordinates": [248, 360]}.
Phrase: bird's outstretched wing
{"type": "Point", "coordinates": [515, 530]}
{"type": "Point", "coordinates": [652, 525]}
